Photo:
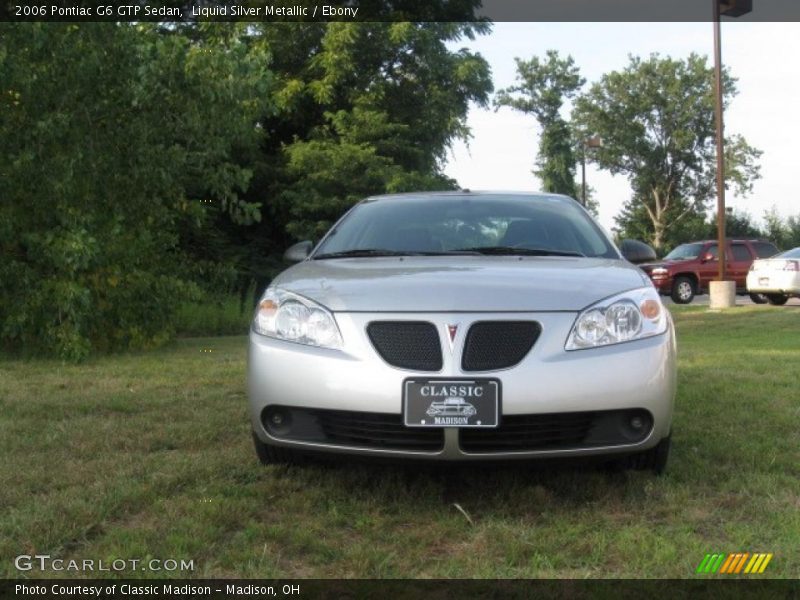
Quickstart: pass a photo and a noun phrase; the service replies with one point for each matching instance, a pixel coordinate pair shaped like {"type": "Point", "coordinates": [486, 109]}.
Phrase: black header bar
{"type": "Point", "coordinates": [392, 10]}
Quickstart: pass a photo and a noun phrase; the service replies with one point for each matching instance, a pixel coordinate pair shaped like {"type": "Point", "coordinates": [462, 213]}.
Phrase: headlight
{"type": "Point", "coordinates": [628, 316]}
{"type": "Point", "coordinates": [290, 317]}
{"type": "Point", "coordinates": [659, 271]}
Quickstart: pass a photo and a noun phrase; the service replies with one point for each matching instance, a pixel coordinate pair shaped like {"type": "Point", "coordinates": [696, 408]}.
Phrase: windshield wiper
{"type": "Point", "coordinates": [512, 251]}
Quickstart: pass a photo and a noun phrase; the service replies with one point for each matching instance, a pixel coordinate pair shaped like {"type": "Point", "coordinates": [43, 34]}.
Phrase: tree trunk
{"type": "Point", "coordinates": [658, 236]}
{"type": "Point", "coordinates": [657, 214]}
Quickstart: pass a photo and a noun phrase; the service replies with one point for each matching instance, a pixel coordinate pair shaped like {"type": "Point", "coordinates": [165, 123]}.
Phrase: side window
{"type": "Point", "coordinates": [764, 249]}
{"type": "Point", "coordinates": [741, 253]}
{"type": "Point", "coordinates": [712, 250]}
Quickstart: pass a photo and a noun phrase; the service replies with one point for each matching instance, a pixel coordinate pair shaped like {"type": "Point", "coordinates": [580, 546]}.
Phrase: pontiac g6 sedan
{"type": "Point", "coordinates": [463, 326]}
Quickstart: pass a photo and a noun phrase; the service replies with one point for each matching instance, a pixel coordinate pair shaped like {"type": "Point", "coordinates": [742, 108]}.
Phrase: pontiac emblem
{"type": "Point", "coordinates": [452, 330]}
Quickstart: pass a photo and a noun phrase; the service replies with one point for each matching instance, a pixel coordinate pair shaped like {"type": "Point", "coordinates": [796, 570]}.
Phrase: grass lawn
{"type": "Point", "coordinates": [149, 455]}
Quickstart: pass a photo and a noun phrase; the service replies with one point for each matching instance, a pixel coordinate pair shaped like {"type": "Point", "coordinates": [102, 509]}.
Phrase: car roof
{"type": "Point", "coordinates": [464, 194]}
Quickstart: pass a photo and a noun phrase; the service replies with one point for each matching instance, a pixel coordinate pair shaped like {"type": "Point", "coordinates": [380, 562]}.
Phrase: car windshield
{"type": "Point", "coordinates": [793, 253]}
{"type": "Point", "coordinates": [466, 224]}
{"type": "Point", "coordinates": [684, 252]}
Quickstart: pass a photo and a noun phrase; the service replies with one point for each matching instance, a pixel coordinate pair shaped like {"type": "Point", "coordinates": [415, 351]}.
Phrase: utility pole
{"type": "Point", "coordinates": [720, 145]}
{"type": "Point", "coordinates": [723, 292]}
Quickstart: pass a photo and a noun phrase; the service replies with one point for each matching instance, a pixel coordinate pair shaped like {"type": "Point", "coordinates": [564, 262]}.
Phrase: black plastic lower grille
{"type": "Point", "coordinates": [410, 345]}
{"type": "Point", "coordinates": [559, 431]}
{"type": "Point", "coordinates": [349, 428]}
{"type": "Point", "coordinates": [498, 344]}
{"type": "Point", "coordinates": [555, 431]}
{"type": "Point", "coordinates": [375, 430]}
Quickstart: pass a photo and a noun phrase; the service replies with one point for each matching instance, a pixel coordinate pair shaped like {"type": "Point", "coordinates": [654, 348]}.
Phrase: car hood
{"type": "Point", "coordinates": [469, 283]}
{"type": "Point", "coordinates": [650, 266]}
{"type": "Point", "coordinates": [666, 264]}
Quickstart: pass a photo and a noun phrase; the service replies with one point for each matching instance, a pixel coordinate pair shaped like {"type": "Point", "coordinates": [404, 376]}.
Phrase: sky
{"type": "Point", "coordinates": [764, 57]}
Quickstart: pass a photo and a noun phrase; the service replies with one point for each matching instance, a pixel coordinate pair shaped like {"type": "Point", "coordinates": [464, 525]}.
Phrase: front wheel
{"type": "Point", "coordinates": [683, 290]}
{"type": "Point", "coordinates": [758, 298]}
{"type": "Point", "coordinates": [654, 459]}
{"type": "Point", "coordinates": [777, 299]}
{"type": "Point", "coordinates": [272, 455]}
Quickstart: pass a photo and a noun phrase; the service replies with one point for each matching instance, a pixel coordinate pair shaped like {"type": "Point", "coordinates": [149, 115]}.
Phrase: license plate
{"type": "Point", "coordinates": [763, 281]}
{"type": "Point", "coordinates": [451, 402]}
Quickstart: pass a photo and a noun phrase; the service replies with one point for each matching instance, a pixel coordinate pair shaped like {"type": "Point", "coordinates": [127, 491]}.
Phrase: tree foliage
{"type": "Point", "coordinates": [110, 138]}
{"type": "Point", "coordinates": [363, 108]}
{"type": "Point", "coordinates": [656, 119]}
{"type": "Point", "coordinates": [542, 86]}
{"type": "Point", "coordinates": [142, 163]}
{"type": "Point", "coordinates": [785, 233]}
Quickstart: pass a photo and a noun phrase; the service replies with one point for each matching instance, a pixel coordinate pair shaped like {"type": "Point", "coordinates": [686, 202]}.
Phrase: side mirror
{"type": "Point", "coordinates": [298, 252]}
{"type": "Point", "coordinates": [708, 257]}
{"type": "Point", "coordinates": [637, 252]}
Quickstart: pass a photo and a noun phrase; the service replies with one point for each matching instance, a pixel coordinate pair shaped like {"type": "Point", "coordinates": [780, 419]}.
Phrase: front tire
{"type": "Point", "coordinates": [758, 298]}
{"type": "Point", "coordinates": [683, 290]}
{"type": "Point", "coordinates": [654, 459]}
{"type": "Point", "coordinates": [777, 299]}
{"type": "Point", "coordinates": [272, 455]}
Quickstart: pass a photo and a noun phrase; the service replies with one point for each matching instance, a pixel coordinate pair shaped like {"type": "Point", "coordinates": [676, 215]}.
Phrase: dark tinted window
{"type": "Point", "coordinates": [764, 249]}
{"type": "Point", "coordinates": [442, 223]}
{"type": "Point", "coordinates": [740, 252]}
{"type": "Point", "coordinates": [684, 252]}
{"type": "Point", "coordinates": [712, 250]}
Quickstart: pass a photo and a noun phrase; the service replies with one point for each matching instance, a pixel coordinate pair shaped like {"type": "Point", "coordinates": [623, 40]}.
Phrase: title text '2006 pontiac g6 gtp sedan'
{"type": "Point", "coordinates": [462, 326]}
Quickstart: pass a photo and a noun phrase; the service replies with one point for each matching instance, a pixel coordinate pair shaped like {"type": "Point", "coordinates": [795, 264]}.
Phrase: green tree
{"type": "Point", "coordinates": [656, 119]}
{"type": "Point", "coordinates": [633, 221]}
{"type": "Point", "coordinates": [362, 108]}
{"type": "Point", "coordinates": [793, 227]}
{"type": "Point", "coordinates": [542, 87]}
{"type": "Point", "coordinates": [694, 226]}
{"type": "Point", "coordinates": [110, 138]}
{"type": "Point", "coordinates": [738, 224]}
{"type": "Point", "coordinates": [776, 230]}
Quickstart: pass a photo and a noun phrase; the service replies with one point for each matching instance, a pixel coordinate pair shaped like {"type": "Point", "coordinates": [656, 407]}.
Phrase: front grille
{"type": "Point", "coordinates": [494, 345]}
{"type": "Point", "coordinates": [373, 430]}
{"type": "Point", "coordinates": [410, 345]}
{"type": "Point", "coordinates": [559, 431]}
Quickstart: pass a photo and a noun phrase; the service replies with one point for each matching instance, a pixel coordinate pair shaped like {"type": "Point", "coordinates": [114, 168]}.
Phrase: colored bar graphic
{"type": "Point", "coordinates": [740, 565]}
{"type": "Point", "coordinates": [765, 563]}
{"type": "Point", "coordinates": [726, 566]}
{"type": "Point", "coordinates": [703, 566]}
{"type": "Point", "coordinates": [718, 562]}
{"type": "Point", "coordinates": [734, 564]}
{"type": "Point", "coordinates": [752, 562]}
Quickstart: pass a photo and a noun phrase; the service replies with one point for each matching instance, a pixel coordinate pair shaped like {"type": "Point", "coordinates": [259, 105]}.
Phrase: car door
{"type": "Point", "coordinates": [708, 269]}
{"type": "Point", "coordinates": [739, 264]}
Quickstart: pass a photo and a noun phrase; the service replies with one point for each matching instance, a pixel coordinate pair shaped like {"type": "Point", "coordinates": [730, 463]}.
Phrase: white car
{"type": "Point", "coordinates": [778, 277]}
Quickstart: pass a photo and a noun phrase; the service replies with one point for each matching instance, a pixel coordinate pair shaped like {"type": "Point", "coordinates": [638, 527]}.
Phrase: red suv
{"type": "Point", "coordinates": [686, 271]}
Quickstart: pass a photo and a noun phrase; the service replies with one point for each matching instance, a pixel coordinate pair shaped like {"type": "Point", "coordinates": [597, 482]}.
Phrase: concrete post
{"type": "Point", "coordinates": [722, 294]}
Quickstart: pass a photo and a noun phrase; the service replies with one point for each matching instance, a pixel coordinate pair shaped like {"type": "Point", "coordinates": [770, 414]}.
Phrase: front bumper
{"type": "Point", "coordinates": [662, 283]}
{"type": "Point", "coordinates": [549, 383]}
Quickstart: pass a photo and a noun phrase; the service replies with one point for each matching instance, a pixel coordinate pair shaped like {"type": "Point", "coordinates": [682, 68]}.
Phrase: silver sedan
{"type": "Point", "coordinates": [463, 326]}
